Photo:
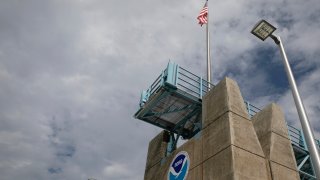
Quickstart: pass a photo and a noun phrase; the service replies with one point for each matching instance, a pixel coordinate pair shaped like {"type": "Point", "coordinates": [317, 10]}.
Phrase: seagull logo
{"type": "Point", "coordinates": [179, 166]}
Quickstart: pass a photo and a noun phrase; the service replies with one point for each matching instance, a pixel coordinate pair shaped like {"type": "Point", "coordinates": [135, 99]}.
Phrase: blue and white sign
{"type": "Point", "coordinates": [179, 166]}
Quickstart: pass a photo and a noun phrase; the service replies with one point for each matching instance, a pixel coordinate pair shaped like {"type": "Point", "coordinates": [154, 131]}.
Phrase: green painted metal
{"type": "Point", "coordinates": [173, 101]}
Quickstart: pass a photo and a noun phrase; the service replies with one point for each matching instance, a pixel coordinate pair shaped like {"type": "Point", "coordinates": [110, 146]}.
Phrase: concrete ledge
{"type": "Point", "coordinates": [270, 118]}
{"type": "Point", "coordinates": [226, 96]}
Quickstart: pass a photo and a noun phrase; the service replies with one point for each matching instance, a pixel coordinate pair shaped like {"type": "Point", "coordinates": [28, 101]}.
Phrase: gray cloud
{"type": "Point", "coordinates": [71, 73]}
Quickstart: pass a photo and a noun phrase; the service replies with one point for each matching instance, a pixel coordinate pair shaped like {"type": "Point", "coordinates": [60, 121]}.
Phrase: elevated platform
{"type": "Point", "coordinates": [174, 102]}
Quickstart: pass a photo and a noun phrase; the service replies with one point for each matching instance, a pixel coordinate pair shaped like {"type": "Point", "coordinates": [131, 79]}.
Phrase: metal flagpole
{"type": "Point", "coordinates": [208, 52]}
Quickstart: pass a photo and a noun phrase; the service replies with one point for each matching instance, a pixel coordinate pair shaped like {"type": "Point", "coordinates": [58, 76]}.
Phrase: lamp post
{"type": "Point", "coordinates": [263, 30]}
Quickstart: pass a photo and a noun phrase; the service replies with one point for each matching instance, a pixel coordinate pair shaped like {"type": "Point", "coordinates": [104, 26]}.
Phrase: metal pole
{"type": "Point", "coordinates": [305, 124]}
{"type": "Point", "coordinates": [208, 52]}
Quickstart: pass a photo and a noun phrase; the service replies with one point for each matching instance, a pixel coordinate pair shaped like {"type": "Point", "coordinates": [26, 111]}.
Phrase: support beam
{"type": "Point", "coordinates": [303, 162]}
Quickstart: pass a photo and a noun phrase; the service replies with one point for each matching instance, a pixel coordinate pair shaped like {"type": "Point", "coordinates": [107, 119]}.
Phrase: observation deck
{"type": "Point", "coordinates": [174, 100]}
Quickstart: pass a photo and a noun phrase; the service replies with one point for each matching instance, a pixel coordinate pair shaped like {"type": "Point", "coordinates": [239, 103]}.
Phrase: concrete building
{"type": "Point", "coordinates": [230, 144]}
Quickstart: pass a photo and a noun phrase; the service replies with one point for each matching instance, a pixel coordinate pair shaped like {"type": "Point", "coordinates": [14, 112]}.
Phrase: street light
{"type": "Point", "coordinates": [263, 30]}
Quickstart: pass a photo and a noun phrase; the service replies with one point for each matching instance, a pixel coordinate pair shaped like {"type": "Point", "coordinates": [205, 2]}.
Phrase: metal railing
{"type": "Point", "coordinates": [295, 135]}
{"type": "Point", "coordinates": [252, 110]}
{"type": "Point", "coordinates": [179, 78]}
{"type": "Point", "coordinates": [191, 83]}
{"type": "Point", "coordinates": [156, 84]}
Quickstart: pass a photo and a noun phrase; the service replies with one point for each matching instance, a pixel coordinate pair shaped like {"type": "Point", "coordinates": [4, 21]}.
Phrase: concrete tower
{"type": "Point", "coordinates": [230, 145]}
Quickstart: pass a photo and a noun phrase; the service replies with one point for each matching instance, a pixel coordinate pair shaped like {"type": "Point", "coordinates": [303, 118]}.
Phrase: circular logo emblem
{"type": "Point", "coordinates": [179, 166]}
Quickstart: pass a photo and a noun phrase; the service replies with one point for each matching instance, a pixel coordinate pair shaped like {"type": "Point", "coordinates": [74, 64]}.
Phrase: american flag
{"type": "Point", "coordinates": [203, 16]}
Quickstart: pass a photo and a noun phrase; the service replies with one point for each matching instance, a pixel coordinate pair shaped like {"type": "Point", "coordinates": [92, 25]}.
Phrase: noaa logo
{"type": "Point", "coordinates": [179, 166]}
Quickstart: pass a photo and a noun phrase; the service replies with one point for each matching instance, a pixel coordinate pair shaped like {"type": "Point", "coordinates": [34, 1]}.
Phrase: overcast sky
{"type": "Point", "coordinates": [71, 73]}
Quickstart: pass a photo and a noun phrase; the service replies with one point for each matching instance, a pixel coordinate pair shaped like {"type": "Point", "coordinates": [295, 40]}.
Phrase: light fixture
{"type": "Point", "coordinates": [263, 30]}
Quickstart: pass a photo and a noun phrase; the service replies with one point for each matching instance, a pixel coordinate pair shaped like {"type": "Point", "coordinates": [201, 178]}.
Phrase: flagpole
{"type": "Point", "coordinates": [208, 52]}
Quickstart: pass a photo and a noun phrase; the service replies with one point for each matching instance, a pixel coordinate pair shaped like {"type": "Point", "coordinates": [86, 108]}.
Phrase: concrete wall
{"type": "Point", "coordinates": [230, 145]}
{"type": "Point", "coordinates": [272, 132]}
